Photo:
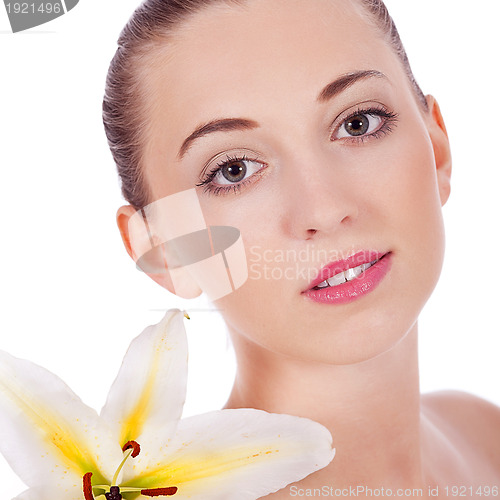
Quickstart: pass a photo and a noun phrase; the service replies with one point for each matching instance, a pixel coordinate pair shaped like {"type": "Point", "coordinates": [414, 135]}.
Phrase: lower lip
{"type": "Point", "coordinates": [352, 290]}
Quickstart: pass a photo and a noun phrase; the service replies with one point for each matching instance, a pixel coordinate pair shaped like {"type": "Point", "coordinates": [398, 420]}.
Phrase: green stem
{"type": "Point", "coordinates": [104, 487]}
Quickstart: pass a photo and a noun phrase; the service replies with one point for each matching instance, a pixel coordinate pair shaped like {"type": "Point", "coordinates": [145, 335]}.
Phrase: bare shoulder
{"type": "Point", "coordinates": [457, 405]}
{"type": "Point", "coordinates": [467, 418]}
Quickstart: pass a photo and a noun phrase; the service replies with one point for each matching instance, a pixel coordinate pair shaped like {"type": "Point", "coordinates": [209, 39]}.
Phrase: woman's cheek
{"type": "Point", "coordinates": [418, 213]}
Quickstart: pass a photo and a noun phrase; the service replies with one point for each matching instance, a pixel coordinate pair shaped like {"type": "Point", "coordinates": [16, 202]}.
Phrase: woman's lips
{"type": "Point", "coordinates": [346, 280]}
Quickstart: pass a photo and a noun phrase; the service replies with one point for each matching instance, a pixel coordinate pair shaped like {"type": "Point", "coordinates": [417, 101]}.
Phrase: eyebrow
{"type": "Point", "coordinates": [345, 81]}
{"type": "Point", "coordinates": [224, 125]}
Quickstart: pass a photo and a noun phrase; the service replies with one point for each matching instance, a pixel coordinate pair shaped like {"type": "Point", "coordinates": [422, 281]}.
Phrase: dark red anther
{"type": "Point", "coordinates": [87, 486]}
{"type": "Point", "coordinates": [132, 445]}
{"type": "Point", "coordinates": [157, 492]}
{"type": "Point", "coordinates": [114, 493]}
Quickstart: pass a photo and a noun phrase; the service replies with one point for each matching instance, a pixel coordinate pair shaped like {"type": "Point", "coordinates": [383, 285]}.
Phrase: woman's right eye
{"type": "Point", "coordinates": [231, 173]}
{"type": "Point", "coordinates": [235, 171]}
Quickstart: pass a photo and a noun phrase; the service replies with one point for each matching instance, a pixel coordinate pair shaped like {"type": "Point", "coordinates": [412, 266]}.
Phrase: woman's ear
{"type": "Point", "coordinates": [141, 246]}
{"type": "Point", "coordinates": [441, 145]}
{"type": "Point", "coordinates": [122, 217]}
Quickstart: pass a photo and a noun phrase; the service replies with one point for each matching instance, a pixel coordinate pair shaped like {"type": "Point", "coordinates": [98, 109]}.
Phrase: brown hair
{"type": "Point", "coordinates": [125, 104]}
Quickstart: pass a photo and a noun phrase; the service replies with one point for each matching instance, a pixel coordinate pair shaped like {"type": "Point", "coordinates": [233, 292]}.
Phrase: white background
{"type": "Point", "coordinates": [71, 297]}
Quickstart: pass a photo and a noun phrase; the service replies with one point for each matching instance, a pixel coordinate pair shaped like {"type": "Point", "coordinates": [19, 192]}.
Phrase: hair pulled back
{"type": "Point", "coordinates": [124, 104]}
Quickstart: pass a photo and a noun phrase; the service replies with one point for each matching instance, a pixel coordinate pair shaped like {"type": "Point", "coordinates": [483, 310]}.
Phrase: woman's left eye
{"type": "Point", "coordinates": [359, 125]}
{"type": "Point", "coordinates": [365, 124]}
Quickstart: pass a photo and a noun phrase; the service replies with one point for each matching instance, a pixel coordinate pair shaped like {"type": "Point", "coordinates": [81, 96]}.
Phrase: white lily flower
{"type": "Point", "coordinates": [63, 450]}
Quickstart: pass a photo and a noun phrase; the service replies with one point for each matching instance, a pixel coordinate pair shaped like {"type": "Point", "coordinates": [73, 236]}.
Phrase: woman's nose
{"type": "Point", "coordinates": [319, 198]}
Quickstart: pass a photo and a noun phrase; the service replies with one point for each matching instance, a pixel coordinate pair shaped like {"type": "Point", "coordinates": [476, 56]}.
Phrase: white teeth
{"type": "Point", "coordinates": [350, 274]}
{"type": "Point", "coordinates": [344, 276]}
{"type": "Point", "coordinates": [323, 284]}
{"type": "Point", "coordinates": [338, 279]}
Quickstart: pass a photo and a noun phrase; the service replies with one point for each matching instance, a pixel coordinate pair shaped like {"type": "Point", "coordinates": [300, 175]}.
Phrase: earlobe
{"type": "Point", "coordinates": [441, 146]}
{"type": "Point", "coordinates": [140, 245]}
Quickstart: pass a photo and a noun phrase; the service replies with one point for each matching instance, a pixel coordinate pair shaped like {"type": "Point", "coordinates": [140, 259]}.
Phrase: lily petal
{"type": "Point", "coordinates": [47, 435]}
{"type": "Point", "coordinates": [30, 494]}
{"type": "Point", "coordinates": [236, 454]}
{"type": "Point", "coordinates": [145, 401]}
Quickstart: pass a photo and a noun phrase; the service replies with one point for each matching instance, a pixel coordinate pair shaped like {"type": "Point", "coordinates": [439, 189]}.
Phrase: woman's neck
{"type": "Point", "coordinates": [371, 408]}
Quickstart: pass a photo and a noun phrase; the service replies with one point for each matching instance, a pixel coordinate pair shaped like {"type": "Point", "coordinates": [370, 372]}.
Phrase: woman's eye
{"type": "Point", "coordinates": [359, 125]}
{"type": "Point", "coordinates": [235, 171]}
{"type": "Point", "coordinates": [229, 173]}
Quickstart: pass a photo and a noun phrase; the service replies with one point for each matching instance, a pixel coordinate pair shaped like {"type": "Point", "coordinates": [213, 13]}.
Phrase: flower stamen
{"type": "Point", "coordinates": [120, 467]}
{"type": "Point", "coordinates": [134, 445]}
{"type": "Point", "coordinates": [133, 449]}
{"type": "Point", "coordinates": [87, 486]}
{"type": "Point", "coordinates": [156, 492]}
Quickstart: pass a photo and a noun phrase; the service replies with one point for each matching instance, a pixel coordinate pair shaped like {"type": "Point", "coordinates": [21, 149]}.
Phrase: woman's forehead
{"type": "Point", "coordinates": [271, 34]}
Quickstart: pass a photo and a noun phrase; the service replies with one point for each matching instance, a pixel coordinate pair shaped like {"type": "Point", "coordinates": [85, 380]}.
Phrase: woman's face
{"type": "Point", "coordinates": [309, 172]}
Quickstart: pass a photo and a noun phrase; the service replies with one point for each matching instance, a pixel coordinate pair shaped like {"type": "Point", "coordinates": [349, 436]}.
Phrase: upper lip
{"type": "Point", "coordinates": [330, 270]}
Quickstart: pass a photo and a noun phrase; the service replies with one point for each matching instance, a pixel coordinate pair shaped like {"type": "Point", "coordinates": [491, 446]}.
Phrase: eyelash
{"type": "Point", "coordinates": [389, 119]}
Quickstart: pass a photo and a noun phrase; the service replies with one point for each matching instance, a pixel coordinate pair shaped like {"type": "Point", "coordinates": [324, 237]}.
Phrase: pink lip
{"type": "Point", "coordinates": [350, 290]}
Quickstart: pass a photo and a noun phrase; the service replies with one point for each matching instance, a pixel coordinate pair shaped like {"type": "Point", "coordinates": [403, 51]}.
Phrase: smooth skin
{"type": "Point", "coordinates": [312, 187]}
